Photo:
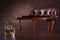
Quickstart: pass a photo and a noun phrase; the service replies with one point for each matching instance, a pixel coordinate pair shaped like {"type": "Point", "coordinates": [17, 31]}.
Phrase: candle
{"type": "Point", "coordinates": [49, 12]}
{"type": "Point", "coordinates": [42, 12]}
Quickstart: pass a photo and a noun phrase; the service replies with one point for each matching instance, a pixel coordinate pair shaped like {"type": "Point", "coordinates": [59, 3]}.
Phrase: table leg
{"type": "Point", "coordinates": [20, 25]}
{"type": "Point", "coordinates": [49, 25]}
{"type": "Point", "coordinates": [53, 25]}
{"type": "Point", "coordinates": [34, 25]}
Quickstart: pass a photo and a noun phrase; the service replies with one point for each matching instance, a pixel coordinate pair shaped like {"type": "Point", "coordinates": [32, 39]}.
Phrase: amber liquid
{"type": "Point", "coordinates": [9, 34]}
{"type": "Point", "coordinates": [8, 31]}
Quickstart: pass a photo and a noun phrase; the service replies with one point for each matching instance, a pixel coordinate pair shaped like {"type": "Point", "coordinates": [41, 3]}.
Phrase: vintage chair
{"type": "Point", "coordinates": [49, 15]}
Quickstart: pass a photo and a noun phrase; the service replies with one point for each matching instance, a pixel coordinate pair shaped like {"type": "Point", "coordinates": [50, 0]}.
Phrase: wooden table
{"type": "Point", "coordinates": [51, 22]}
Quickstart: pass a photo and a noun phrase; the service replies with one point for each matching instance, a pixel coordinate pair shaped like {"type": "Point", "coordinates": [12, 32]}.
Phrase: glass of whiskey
{"type": "Point", "coordinates": [9, 32]}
